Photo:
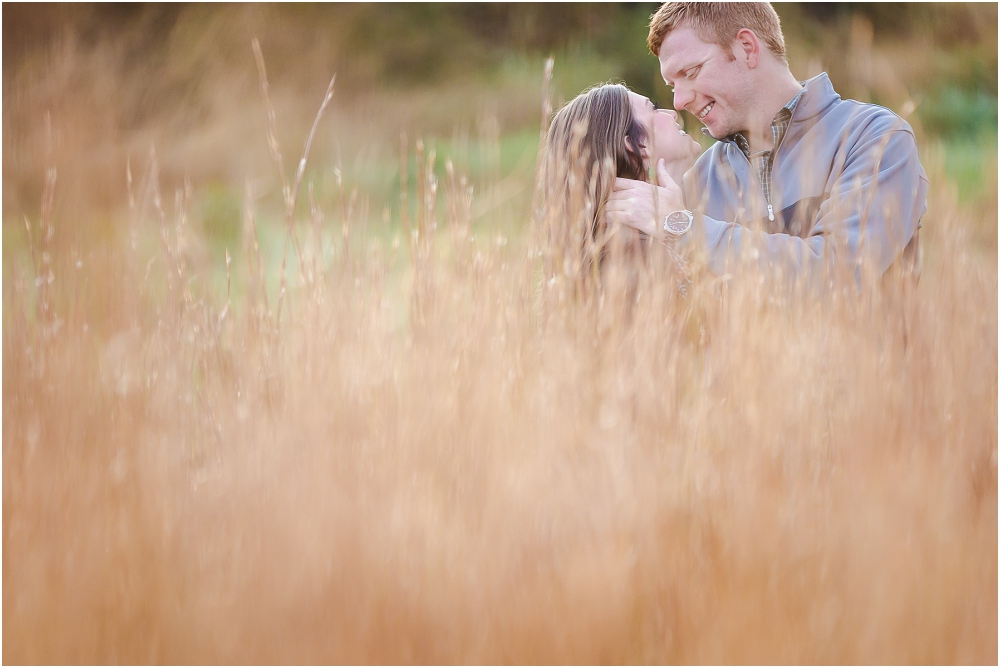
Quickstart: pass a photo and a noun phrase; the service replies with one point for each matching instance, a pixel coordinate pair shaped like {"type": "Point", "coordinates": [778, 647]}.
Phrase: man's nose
{"type": "Point", "coordinates": [682, 97]}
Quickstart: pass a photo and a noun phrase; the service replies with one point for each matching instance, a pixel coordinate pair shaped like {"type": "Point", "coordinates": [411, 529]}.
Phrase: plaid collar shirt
{"type": "Point", "coordinates": [763, 161]}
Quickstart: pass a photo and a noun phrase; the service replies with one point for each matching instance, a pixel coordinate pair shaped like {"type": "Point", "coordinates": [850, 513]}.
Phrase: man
{"type": "Point", "coordinates": [799, 178]}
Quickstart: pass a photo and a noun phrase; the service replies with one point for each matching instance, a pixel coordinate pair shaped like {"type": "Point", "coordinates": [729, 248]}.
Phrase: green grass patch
{"type": "Point", "coordinates": [970, 162]}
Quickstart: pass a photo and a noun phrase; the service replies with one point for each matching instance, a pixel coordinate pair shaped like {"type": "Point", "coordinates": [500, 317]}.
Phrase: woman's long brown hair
{"type": "Point", "coordinates": [591, 140]}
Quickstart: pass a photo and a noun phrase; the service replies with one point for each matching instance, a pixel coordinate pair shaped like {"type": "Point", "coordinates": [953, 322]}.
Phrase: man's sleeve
{"type": "Point", "coordinates": [872, 211]}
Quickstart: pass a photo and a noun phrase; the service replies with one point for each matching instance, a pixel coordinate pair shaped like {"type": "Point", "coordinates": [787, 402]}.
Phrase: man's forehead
{"type": "Point", "coordinates": [681, 48]}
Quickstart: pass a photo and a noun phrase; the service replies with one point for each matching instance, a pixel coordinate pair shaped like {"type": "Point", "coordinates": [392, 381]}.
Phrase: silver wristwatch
{"type": "Point", "coordinates": [678, 222]}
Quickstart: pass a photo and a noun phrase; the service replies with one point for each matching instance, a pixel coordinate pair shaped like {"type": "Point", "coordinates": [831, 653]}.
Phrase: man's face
{"type": "Point", "coordinates": [708, 81]}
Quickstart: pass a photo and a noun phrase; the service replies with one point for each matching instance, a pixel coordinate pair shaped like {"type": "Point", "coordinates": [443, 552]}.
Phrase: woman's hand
{"type": "Point", "coordinates": [642, 205]}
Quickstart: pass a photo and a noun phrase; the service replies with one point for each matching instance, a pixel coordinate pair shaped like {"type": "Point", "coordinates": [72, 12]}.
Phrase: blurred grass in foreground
{"type": "Point", "coordinates": [427, 457]}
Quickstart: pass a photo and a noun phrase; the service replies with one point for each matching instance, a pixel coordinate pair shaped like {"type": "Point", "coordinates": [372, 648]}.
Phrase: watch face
{"type": "Point", "coordinates": [678, 222]}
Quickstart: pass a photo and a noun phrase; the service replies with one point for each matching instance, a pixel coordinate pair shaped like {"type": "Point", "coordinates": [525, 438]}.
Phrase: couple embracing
{"type": "Point", "coordinates": [801, 179]}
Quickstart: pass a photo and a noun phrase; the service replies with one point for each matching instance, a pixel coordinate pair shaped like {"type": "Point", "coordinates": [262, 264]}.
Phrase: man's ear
{"type": "Point", "coordinates": [746, 47]}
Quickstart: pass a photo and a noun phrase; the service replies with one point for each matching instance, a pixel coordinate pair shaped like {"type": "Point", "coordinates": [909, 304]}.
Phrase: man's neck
{"type": "Point", "coordinates": [775, 92]}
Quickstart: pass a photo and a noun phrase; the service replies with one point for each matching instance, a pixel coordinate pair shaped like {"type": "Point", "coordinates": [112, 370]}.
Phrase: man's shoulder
{"type": "Point", "coordinates": [820, 99]}
{"type": "Point", "coordinates": [843, 119]}
{"type": "Point", "coordinates": [866, 115]}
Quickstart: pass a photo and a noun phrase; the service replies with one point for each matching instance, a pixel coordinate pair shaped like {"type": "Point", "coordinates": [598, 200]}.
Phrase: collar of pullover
{"type": "Point", "coordinates": [816, 97]}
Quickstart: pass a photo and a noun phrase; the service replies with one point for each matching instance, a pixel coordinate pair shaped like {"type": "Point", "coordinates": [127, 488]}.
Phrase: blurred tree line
{"type": "Point", "coordinates": [92, 87]}
{"type": "Point", "coordinates": [946, 53]}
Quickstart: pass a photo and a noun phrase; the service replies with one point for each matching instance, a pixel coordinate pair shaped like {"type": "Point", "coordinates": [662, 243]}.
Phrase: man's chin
{"type": "Point", "coordinates": [714, 134]}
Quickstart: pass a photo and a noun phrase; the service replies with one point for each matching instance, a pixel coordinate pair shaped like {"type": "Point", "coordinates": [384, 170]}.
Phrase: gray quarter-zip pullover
{"type": "Point", "coordinates": [847, 185]}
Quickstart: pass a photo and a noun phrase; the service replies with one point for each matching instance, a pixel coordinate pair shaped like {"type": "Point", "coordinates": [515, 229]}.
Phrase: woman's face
{"type": "Point", "coordinates": [665, 139]}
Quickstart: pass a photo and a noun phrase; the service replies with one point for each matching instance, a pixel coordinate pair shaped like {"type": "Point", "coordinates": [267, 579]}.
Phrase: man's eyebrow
{"type": "Point", "coordinates": [679, 71]}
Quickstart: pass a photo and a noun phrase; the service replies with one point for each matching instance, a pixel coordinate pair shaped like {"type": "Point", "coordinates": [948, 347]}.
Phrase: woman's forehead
{"type": "Point", "coordinates": [635, 98]}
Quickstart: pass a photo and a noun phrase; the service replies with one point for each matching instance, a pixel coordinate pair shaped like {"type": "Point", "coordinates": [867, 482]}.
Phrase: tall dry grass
{"type": "Point", "coordinates": [425, 452]}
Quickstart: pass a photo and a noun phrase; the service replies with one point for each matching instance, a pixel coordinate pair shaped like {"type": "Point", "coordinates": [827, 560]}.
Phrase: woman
{"type": "Point", "coordinates": [605, 132]}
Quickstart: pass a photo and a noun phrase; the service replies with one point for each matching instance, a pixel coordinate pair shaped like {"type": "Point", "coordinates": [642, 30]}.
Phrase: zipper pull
{"type": "Point", "coordinates": [770, 213]}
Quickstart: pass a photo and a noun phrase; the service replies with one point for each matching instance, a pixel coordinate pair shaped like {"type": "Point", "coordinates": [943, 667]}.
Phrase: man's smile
{"type": "Point", "coordinates": [704, 112]}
